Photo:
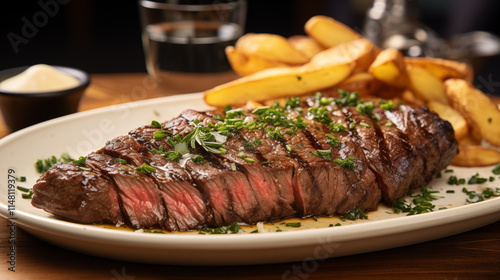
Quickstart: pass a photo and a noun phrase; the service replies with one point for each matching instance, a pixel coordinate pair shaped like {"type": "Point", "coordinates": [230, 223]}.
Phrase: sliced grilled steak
{"type": "Point", "coordinates": [185, 206]}
{"type": "Point", "coordinates": [209, 169]}
{"type": "Point", "coordinates": [78, 195]}
{"type": "Point", "coordinates": [138, 195]}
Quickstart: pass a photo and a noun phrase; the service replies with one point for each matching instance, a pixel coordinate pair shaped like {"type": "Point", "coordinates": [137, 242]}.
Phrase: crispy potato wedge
{"type": "Point", "coordinates": [306, 45]}
{"type": "Point", "coordinates": [361, 51]}
{"type": "Point", "coordinates": [362, 82]}
{"type": "Point", "coordinates": [244, 64]}
{"type": "Point", "coordinates": [425, 85]}
{"type": "Point", "coordinates": [443, 68]}
{"type": "Point", "coordinates": [329, 32]}
{"type": "Point", "coordinates": [327, 69]}
{"type": "Point", "coordinates": [270, 47]}
{"type": "Point", "coordinates": [469, 155]}
{"type": "Point", "coordinates": [389, 67]}
{"type": "Point", "coordinates": [456, 120]}
{"type": "Point", "coordinates": [480, 112]}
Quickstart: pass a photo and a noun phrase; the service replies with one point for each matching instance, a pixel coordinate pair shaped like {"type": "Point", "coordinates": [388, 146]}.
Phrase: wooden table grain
{"type": "Point", "coordinates": [470, 255]}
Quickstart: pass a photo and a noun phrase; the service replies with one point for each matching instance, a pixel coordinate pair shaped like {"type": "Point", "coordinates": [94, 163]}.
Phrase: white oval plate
{"type": "Point", "coordinates": [81, 133]}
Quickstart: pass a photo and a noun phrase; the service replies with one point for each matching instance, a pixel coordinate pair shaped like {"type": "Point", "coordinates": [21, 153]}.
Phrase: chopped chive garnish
{"type": "Point", "coordinates": [23, 189]}
{"type": "Point", "coordinates": [347, 163]}
{"type": "Point", "coordinates": [298, 224]}
{"type": "Point", "coordinates": [198, 159]}
{"type": "Point", "coordinates": [120, 160]}
{"type": "Point", "coordinates": [145, 168]}
{"type": "Point", "coordinates": [155, 124]}
{"type": "Point", "coordinates": [249, 159]}
{"type": "Point", "coordinates": [289, 148]}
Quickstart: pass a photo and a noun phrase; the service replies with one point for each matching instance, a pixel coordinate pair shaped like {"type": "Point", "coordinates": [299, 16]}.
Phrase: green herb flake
{"type": "Point", "coordinates": [295, 225]}
{"type": "Point", "coordinates": [288, 148]}
{"type": "Point", "coordinates": [336, 127]}
{"type": "Point", "coordinates": [156, 124]}
{"type": "Point", "coordinates": [496, 170]}
{"type": "Point", "coordinates": [23, 189]}
{"type": "Point", "coordinates": [354, 214]}
{"type": "Point", "coordinates": [450, 191]}
{"type": "Point", "coordinates": [21, 179]}
{"type": "Point", "coordinates": [389, 124]}
{"type": "Point", "coordinates": [198, 159]}
{"type": "Point", "coordinates": [80, 161]}
{"type": "Point", "coordinates": [476, 180]}
{"type": "Point", "coordinates": [249, 159]}
{"type": "Point", "coordinates": [278, 229]}
{"type": "Point", "coordinates": [363, 124]}
{"type": "Point", "coordinates": [120, 160]}
{"type": "Point", "coordinates": [145, 168]}
{"type": "Point", "coordinates": [233, 228]}
{"type": "Point", "coordinates": [347, 163]}
{"type": "Point", "coordinates": [159, 134]}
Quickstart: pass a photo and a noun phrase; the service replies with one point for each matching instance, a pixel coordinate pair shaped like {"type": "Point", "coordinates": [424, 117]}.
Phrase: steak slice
{"type": "Point", "coordinates": [405, 118]}
{"type": "Point", "coordinates": [138, 195]}
{"type": "Point", "coordinates": [262, 181]}
{"type": "Point", "coordinates": [185, 206]}
{"type": "Point", "coordinates": [75, 194]}
{"type": "Point", "coordinates": [387, 154]}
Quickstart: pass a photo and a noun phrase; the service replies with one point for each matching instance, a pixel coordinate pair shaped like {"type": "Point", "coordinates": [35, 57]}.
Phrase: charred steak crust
{"type": "Point", "coordinates": [316, 156]}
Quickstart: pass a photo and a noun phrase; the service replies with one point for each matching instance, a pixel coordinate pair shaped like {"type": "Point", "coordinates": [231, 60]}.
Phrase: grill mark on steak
{"type": "Point", "coordinates": [183, 202]}
{"type": "Point", "coordinates": [405, 119]}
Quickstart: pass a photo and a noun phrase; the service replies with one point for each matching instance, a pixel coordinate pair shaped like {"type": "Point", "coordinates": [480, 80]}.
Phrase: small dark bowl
{"type": "Point", "coordinates": [20, 110]}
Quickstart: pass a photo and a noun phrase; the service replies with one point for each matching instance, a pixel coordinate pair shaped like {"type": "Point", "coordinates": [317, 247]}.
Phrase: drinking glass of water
{"type": "Point", "coordinates": [189, 36]}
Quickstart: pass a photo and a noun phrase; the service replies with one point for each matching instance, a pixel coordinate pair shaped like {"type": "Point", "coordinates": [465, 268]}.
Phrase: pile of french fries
{"type": "Point", "coordinates": [332, 56]}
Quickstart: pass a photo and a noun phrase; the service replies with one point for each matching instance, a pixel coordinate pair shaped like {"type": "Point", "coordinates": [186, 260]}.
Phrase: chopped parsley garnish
{"type": "Point", "coordinates": [324, 154]}
{"type": "Point", "coordinates": [120, 160]}
{"type": "Point", "coordinates": [27, 193]}
{"type": "Point", "coordinates": [477, 197]}
{"type": "Point", "coordinates": [354, 214]}
{"type": "Point", "coordinates": [198, 159]}
{"type": "Point", "coordinates": [231, 229]}
{"type": "Point", "coordinates": [476, 180]}
{"type": "Point", "coordinates": [43, 165]}
{"type": "Point", "coordinates": [332, 140]}
{"type": "Point", "coordinates": [156, 124]}
{"type": "Point", "coordinates": [145, 168]}
{"type": "Point", "coordinates": [347, 98]}
{"type": "Point", "coordinates": [421, 203]}
{"type": "Point", "coordinates": [386, 105]}
{"type": "Point", "coordinates": [292, 103]}
{"type": "Point", "coordinates": [153, 231]}
{"type": "Point", "coordinates": [496, 170]}
{"type": "Point", "coordinates": [320, 114]}
{"type": "Point", "coordinates": [173, 155]}
{"type": "Point", "coordinates": [296, 225]}
{"type": "Point", "coordinates": [365, 108]}
{"type": "Point", "coordinates": [347, 162]}
{"type": "Point", "coordinates": [80, 161]}
{"type": "Point", "coordinates": [453, 180]}
{"type": "Point", "coordinates": [336, 127]}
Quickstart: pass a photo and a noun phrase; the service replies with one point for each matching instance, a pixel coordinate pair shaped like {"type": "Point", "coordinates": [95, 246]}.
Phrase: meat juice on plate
{"type": "Point", "coordinates": [189, 46]}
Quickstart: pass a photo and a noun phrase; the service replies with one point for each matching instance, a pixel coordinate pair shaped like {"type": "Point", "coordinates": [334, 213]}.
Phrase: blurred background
{"type": "Point", "coordinates": [104, 36]}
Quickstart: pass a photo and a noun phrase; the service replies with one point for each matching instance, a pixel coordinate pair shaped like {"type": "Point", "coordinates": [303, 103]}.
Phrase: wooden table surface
{"type": "Point", "coordinates": [471, 255]}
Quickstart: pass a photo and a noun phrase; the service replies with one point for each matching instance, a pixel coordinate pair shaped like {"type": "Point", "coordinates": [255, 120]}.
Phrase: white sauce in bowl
{"type": "Point", "coordinates": [39, 78]}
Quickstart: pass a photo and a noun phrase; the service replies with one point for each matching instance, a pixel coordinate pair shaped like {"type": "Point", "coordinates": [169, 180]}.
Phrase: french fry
{"type": "Point", "coordinates": [329, 32]}
{"type": "Point", "coordinates": [362, 82]}
{"type": "Point", "coordinates": [389, 67]}
{"type": "Point", "coordinates": [306, 45]}
{"type": "Point", "coordinates": [469, 155]}
{"type": "Point", "coordinates": [360, 51]}
{"type": "Point", "coordinates": [270, 47]}
{"type": "Point", "coordinates": [456, 120]}
{"type": "Point", "coordinates": [244, 64]}
{"type": "Point", "coordinates": [480, 112]}
{"type": "Point", "coordinates": [327, 69]}
{"type": "Point", "coordinates": [443, 68]}
{"type": "Point", "coordinates": [425, 85]}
